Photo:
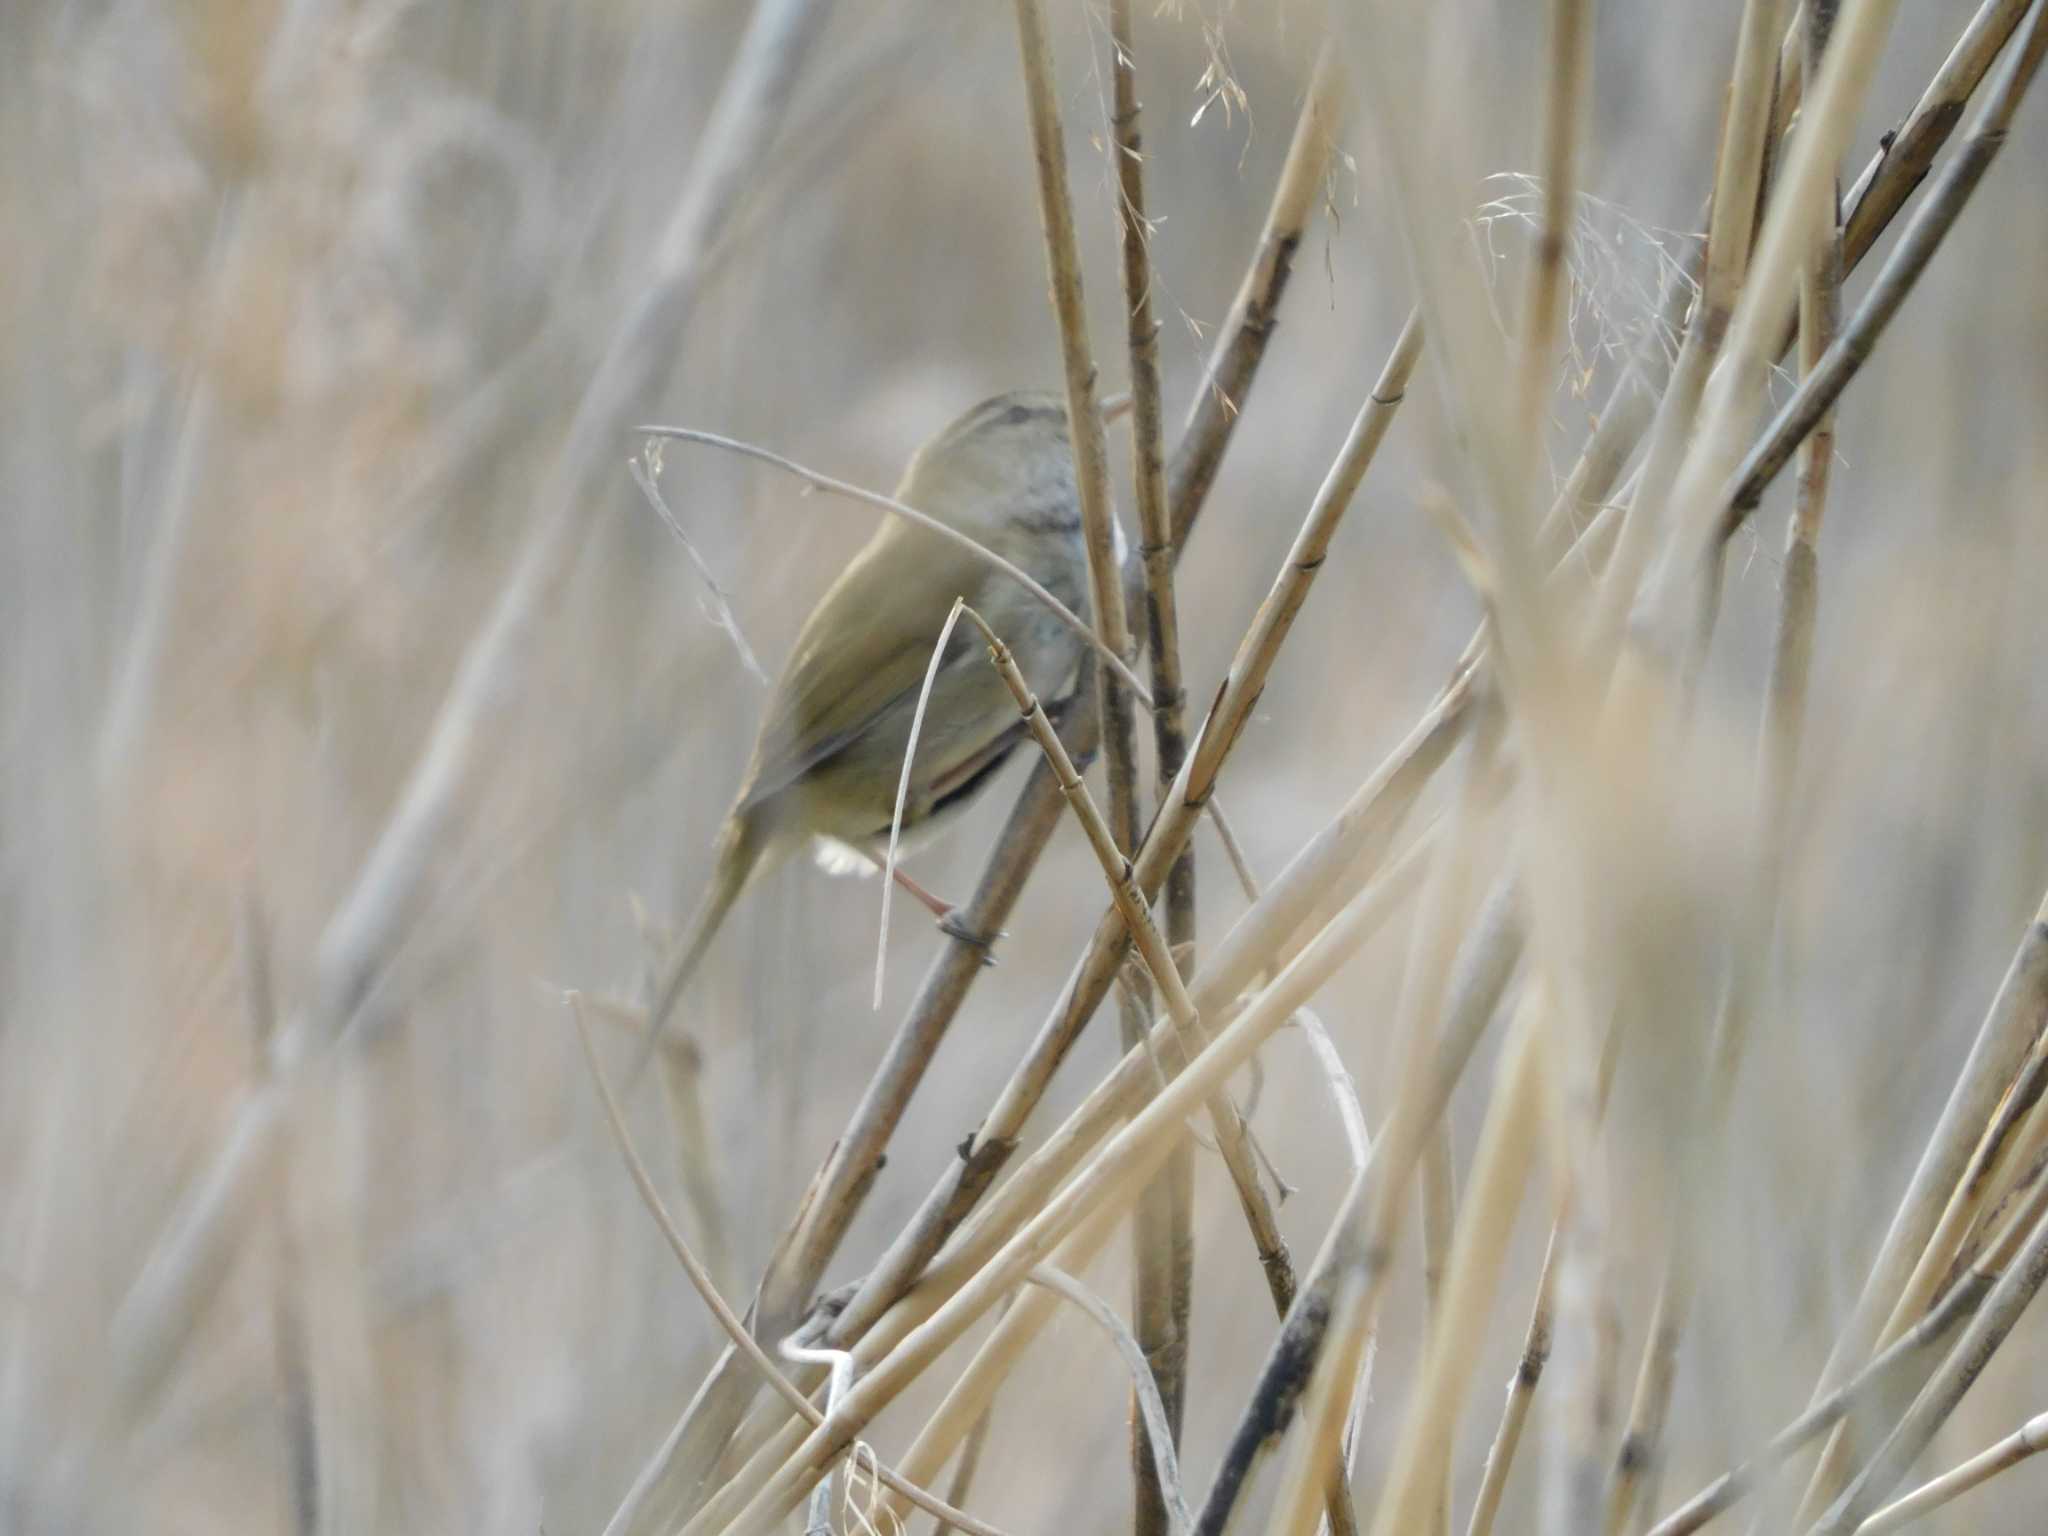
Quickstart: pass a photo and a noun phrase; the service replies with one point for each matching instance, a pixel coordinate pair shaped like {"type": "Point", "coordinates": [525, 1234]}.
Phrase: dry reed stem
{"type": "Point", "coordinates": [1439, 1219]}
{"type": "Point", "coordinates": [1109, 658]}
{"type": "Point", "coordinates": [1350, 1272]}
{"type": "Point", "coordinates": [288, 1327]}
{"type": "Point", "coordinates": [1232, 1138]}
{"type": "Point", "coordinates": [1906, 154]}
{"type": "Point", "coordinates": [1902, 1366]}
{"type": "Point", "coordinates": [1110, 1180]}
{"type": "Point", "coordinates": [1668, 614]}
{"type": "Point", "coordinates": [707, 1288]}
{"type": "Point", "coordinates": [2030, 1439]}
{"type": "Point", "coordinates": [1507, 1438]}
{"type": "Point", "coordinates": [2003, 1040]}
{"type": "Point", "coordinates": [183, 1274]}
{"type": "Point", "coordinates": [1444, 916]}
{"type": "Point", "coordinates": [1924, 233]}
{"type": "Point", "coordinates": [1635, 1463]}
{"type": "Point", "coordinates": [1509, 1148]}
{"type": "Point", "coordinates": [1738, 182]}
{"type": "Point", "coordinates": [1987, 1330]}
{"type": "Point", "coordinates": [1227, 380]}
{"type": "Point", "coordinates": [1777, 758]}
{"type": "Point", "coordinates": [1127, 1088]}
{"type": "Point", "coordinates": [972, 1395]}
{"type": "Point", "coordinates": [968, 1464]}
{"type": "Point", "coordinates": [2003, 1161]}
{"type": "Point", "coordinates": [1165, 1224]}
{"type": "Point", "coordinates": [1084, 421]}
{"type": "Point", "coordinates": [1536, 1340]}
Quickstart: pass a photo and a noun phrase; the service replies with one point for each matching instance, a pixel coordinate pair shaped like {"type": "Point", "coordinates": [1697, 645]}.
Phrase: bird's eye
{"type": "Point", "coordinates": [1017, 415]}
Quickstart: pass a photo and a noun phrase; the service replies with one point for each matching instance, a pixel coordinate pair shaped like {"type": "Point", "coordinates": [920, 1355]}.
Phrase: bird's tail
{"type": "Point", "coordinates": [738, 854]}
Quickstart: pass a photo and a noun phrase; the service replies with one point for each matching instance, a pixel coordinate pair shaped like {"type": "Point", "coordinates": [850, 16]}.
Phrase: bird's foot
{"type": "Point", "coordinates": [953, 924]}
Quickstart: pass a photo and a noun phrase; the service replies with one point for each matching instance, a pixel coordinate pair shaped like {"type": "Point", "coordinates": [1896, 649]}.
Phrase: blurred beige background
{"type": "Point", "coordinates": [279, 371]}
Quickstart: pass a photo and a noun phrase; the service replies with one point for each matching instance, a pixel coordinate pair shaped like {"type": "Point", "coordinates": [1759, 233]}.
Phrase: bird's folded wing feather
{"type": "Point", "coordinates": [833, 692]}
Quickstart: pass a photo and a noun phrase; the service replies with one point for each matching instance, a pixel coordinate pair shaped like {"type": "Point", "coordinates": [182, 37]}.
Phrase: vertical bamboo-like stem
{"type": "Point", "coordinates": [1352, 1262]}
{"type": "Point", "coordinates": [1641, 1442]}
{"type": "Point", "coordinates": [1166, 1221]}
{"type": "Point", "coordinates": [2012, 1023]}
{"type": "Point", "coordinates": [1670, 608]}
{"type": "Point", "coordinates": [1779, 741]}
{"type": "Point", "coordinates": [1445, 1002]}
{"type": "Point", "coordinates": [1501, 1165]}
{"type": "Point", "coordinates": [1738, 177]}
{"type": "Point", "coordinates": [964, 1469]}
{"type": "Point", "coordinates": [1439, 1224]}
{"type": "Point", "coordinates": [1084, 420]}
{"type": "Point", "coordinates": [1500, 1456]}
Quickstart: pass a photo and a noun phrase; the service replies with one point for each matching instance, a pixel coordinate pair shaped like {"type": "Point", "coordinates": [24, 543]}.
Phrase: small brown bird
{"type": "Point", "coordinates": [830, 750]}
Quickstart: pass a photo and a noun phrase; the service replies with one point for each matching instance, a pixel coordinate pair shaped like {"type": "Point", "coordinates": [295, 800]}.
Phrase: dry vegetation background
{"type": "Point", "coordinates": [297, 301]}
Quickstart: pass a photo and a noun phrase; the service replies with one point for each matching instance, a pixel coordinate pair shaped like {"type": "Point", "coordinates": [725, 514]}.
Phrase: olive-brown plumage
{"type": "Point", "coordinates": [830, 749]}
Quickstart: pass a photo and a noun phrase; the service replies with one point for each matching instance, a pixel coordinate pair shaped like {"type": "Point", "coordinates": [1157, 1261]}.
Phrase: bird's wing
{"type": "Point", "coordinates": [831, 692]}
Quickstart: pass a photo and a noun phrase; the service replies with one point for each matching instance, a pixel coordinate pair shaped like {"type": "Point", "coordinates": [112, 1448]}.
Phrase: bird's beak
{"type": "Point", "coordinates": [1116, 406]}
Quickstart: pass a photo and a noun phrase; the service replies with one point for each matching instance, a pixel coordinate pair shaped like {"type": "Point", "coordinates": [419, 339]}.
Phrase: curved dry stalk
{"type": "Point", "coordinates": [707, 1288]}
{"type": "Point", "coordinates": [924, 520]}
{"type": "Point", "coordinates": [924, 697]}
{"type": "Point", "coordinates": [2030, 1439]}
{"type": "Point", "coordinates": [1343, 1090]}
{"type": "Point", "coordinates": [1159, 1432]}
